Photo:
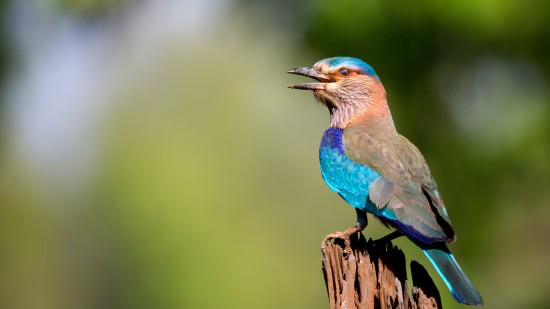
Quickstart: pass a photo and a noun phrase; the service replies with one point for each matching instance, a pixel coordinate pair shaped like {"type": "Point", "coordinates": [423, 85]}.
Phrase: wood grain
{"type": "Point", "coordinates": [374, 275]}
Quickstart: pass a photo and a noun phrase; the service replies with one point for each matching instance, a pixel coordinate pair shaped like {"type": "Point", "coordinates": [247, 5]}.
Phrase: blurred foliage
{"type": "Point", "coordinates": [86, 7]}
{"type": "Point", "coordinates": [204, 189]}
{"type": "Point", "coordinates": [4, 47]}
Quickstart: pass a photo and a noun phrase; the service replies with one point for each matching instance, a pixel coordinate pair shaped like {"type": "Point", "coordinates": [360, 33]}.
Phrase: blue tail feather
{"type": "Point", "coordinates": [460, 286]}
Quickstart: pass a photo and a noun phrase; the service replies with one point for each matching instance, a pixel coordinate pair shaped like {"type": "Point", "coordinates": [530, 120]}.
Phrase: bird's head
{"type": "Point", "coordinates": [349, 87]}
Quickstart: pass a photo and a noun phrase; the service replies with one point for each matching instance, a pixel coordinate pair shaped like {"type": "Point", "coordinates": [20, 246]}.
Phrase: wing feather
{"type": "Point", "coordinates": [405, 188]}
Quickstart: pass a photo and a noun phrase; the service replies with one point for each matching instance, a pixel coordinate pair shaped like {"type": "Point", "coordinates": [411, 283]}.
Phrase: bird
{"type": "Point", "coordinates": [377, 170]}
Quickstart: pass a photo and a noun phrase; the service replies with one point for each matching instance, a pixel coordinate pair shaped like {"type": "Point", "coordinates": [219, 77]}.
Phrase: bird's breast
{"type": "Point", "coordinates": [349, 179]}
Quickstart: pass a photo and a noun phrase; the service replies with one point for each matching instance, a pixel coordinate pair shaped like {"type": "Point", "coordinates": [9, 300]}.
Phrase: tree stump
{"type": "Point", "coordinates": [374, 275]}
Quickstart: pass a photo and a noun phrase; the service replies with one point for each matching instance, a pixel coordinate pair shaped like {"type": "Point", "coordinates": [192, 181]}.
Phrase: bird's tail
{"type": "Point", "coordinates": [460, 286]}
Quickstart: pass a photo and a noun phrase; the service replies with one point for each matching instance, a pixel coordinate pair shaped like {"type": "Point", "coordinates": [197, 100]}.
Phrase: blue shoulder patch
{"type": "Point", "coordinates": [332, 138]}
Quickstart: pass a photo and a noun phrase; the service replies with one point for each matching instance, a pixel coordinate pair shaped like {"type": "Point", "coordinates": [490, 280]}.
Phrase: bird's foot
{"type": "Point", "coordinates": [345, 236]}
{"type": "Point", "coordinates": [383, 241]}
{"type": "Point", "coordinates": [338, 235]}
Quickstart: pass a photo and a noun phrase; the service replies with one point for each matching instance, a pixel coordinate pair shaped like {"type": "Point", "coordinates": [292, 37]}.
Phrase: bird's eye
{"type": "Point", "coordinates": [344, 72]}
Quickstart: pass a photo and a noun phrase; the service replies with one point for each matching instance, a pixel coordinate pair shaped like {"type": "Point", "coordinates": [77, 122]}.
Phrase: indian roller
{"type": "Point", "coordinates": [378, 171]}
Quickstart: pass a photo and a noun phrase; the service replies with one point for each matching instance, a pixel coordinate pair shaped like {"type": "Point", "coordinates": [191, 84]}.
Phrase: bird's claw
{"type": "Point", "coordinates": [339, 235]}
{"type": "Point", "coordinates": [383, 241]}
{"type": "Point", "coordinates": [345, 236]}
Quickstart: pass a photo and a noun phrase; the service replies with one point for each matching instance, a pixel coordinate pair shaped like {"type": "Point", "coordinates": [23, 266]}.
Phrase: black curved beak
{"type": "Point", "coordinates": [310, 72]}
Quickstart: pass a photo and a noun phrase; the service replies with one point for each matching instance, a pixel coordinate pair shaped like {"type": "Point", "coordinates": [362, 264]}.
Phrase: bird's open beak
{"type": "Point", "coordinates": [310, 72]}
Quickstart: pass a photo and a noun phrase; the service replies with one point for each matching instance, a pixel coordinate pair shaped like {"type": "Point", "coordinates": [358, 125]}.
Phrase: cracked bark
{"type": "Point", "coordinates": [374, 275]}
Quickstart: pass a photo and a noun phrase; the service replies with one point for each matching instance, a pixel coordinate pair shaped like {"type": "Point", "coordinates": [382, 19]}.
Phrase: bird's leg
{"type": "Point", "coordinates": [358, 227]}
{"type": "Point", "coordinates": [391, 236]}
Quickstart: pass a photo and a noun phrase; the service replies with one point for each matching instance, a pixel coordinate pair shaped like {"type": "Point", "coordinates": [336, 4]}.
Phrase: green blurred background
{"type": "Point", "coordinates": [152, 157]}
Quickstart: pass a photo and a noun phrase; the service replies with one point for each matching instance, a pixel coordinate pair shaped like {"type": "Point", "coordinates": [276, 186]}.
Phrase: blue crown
{"type": "Point", "coordinates": [355, 64]}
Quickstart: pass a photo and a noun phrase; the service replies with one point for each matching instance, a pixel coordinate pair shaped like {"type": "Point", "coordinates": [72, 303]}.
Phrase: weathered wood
{"type": "Point", "coordinates": [374, 275]}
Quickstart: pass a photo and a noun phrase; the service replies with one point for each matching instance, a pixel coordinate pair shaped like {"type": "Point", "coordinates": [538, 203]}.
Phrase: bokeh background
{"type": "Point", "coordinates": [151, 155]}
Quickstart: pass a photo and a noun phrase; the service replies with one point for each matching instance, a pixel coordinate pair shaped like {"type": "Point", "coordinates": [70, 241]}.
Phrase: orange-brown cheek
{"type": "Point", "coordinates": [336, 76]}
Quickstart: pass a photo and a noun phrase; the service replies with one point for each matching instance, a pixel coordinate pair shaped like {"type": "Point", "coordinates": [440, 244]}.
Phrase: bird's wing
{"type": "Point", "coordinates": [418, 169]}
{"type": "Point", "coordinates": [405, 192]}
